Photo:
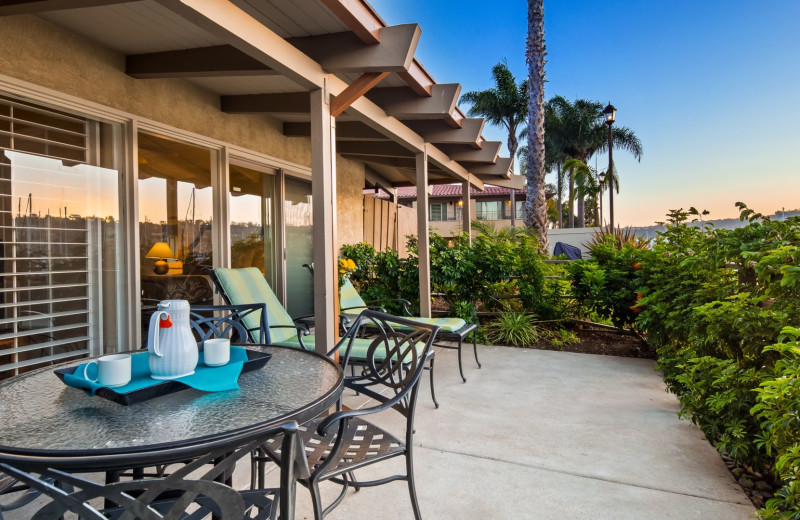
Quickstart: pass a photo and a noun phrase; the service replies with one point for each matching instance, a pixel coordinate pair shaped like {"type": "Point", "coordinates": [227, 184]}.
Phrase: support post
{"type": "Point", "coordinates": [466, 210]}
{"type": "Point", "coordinates": [513, 207]}
{"type": "Point", "coordinates": [423, 239]}
{"type": "Point", "coordinates": [323, 194]}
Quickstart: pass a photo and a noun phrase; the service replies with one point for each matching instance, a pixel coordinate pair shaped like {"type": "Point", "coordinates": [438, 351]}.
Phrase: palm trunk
{"type": "Point", "coordinates": [581, 212]}
{"type": "Point", "coordinates": [559, 194]}
{"type": "Point", "coordinates": [536, 203]}
{"type": "Point", "coordinates": [571, 200]}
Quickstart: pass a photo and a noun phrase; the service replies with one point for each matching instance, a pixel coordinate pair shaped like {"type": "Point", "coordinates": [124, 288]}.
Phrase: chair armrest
{"type": "Point", "coordinates": [370, 307]}
{"type": "Point", "coordinates": [343, 415]}
{"type": "Point", "coordinates": [346, 414]}
{"type": "Point", "coordinates": [406, 304]}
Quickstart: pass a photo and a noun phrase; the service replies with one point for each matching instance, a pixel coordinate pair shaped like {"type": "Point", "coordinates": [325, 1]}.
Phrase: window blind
{"type": "Point", "coordinates": [47, 259]}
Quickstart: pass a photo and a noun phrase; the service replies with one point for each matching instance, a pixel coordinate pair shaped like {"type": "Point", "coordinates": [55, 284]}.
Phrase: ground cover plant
{"type": "Point", "coordinates": [723, 309]}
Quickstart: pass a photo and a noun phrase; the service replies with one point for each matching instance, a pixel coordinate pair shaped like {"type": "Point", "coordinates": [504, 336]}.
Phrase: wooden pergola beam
{"type": "Point", "coordinates": [487, 154]}
{"type": "Point", "coordinates": [345, 52]}
{"type": "Point", "coordinates": [469, 133]}
{"type": "Point", "coordinates": [515, 182]}
{"type": "Point", "coordinates": [358, 17]}
{"type": "Point", "coordinates": [205, 62]}
{"type": "Point", "coordinates": [235, 27]}
{"type": "Point", "coordinates": [345, 131]}
{"type": "Point", "coordinates": [501, 168]}
{"type": "Point", "coordinates": [405, 104]}
{"type": "Point", "coordinates": [355, 90]}
{"type": "Point", "coordinates": [373, 148]}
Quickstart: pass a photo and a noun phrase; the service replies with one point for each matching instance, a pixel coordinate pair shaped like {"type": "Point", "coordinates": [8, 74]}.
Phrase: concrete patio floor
{"type": "Point", "coordinates": [549, 435]}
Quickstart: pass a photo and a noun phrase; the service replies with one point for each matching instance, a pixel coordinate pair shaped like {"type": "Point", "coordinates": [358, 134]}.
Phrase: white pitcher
{"type": "Point", "coordinates": [172, 348]}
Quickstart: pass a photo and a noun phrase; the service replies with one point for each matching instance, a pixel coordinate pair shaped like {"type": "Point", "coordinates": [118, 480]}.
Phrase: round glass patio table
{"type": "Point", "coordinates": [48, 420]}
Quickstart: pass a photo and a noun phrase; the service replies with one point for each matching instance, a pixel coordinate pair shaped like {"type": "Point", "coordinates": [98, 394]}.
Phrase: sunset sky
{"type": "Point", "coordinates": [711, 88]}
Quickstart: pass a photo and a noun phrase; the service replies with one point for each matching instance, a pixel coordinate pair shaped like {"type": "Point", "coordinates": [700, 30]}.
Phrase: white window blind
{"type": "Point", "coordinates": [48, 248]}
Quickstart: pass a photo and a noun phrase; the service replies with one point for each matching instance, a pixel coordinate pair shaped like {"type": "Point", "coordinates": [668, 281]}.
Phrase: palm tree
{"type": "Point", "coordinates": [504, 105]}
{"type": "Point", "coordinates": [536, 201]}
{"type": "Point", "coordinates": [554, 153]}
{"type": "Point", "coordinates": [583, 179]}
{"type": "Point", "coordinates": [583, 134]}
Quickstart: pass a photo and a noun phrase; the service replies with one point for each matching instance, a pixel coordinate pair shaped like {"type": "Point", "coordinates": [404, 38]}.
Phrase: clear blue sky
{"type": "Point", "coordinates": [711, 87]}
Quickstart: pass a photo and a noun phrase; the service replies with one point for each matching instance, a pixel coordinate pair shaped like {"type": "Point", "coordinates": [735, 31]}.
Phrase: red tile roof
{"type": "Point", "coordinates": [450, 191]}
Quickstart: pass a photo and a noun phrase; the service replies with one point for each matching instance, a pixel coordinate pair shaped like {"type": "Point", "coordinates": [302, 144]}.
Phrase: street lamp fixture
{"type": "Point", "coordinates": [610, 113]}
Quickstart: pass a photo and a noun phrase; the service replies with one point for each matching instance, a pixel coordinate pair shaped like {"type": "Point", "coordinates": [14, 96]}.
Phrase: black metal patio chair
{"type": "Point", "coordinates": [338, 445]}
{"type": "Point", "coordinates": [230, 321]}
{"type": "Point", "coordinates": [194, 491]}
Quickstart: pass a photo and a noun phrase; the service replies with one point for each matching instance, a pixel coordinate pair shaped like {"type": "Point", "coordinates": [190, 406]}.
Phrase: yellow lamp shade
{"type": "Point", "coordinates": [160, 250]}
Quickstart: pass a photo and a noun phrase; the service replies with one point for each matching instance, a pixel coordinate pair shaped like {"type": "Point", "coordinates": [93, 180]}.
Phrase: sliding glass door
{"type": "Point", "coordinates": [253, 233]}
{"type": "Point", "coordinates": [61, 267]}
{"type": "Point", "coordinates": [297, 218]}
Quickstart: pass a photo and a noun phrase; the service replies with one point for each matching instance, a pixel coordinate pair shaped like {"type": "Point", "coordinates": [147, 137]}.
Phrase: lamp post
{"type": "Point", "coordinates": [602, 177]}
{"type": "Point", "coordinates": [611, 114]}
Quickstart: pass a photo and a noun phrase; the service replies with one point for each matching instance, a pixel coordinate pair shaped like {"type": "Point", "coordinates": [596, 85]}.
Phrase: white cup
{"type": "Point", "coordinates": [112, 370]}
{"type": "Point", "coordinates": [216, 352]}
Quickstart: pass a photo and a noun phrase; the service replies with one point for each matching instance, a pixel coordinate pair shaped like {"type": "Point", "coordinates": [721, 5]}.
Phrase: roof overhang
{"type": "Point", "coordinates": [377, 88]}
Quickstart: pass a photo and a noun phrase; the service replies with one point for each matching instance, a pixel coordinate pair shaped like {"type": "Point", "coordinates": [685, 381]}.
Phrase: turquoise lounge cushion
{"type": "Point", "coordinates": [248, 285]}
{"type": "Point", "coordinates": [358, 352]}
{"type": "Point", "coordinates": [350, 299]}
{"type": "Point", "coordinates": [444, 324]}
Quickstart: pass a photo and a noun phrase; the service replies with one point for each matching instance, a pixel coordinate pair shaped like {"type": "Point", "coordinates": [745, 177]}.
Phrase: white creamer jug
{"type": "Point", "coordinates": [172, 348]}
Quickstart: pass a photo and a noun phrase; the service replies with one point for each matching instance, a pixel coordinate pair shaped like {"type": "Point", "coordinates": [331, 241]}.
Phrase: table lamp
{"type": "Point", "coordinates": [161, 251]}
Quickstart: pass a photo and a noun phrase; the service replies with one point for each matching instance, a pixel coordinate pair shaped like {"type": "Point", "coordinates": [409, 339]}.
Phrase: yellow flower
{"type": "Point", "coordinates": [351, 264]}
{"type": "Point", "coordinates": [342, 271]}
{"type": "Point", "coordinates": [343, 263]}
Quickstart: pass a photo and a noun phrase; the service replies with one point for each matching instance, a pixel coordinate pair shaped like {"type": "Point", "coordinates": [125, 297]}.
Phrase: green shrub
{"type": "Point", "coordinates": [514, 328]}
{"type": "Point", "coordinates": [483, 271]}
{"type": "Point", "coordinates": [715, 302]}
{"type": "Point", "coordinates": [778, 403]}
{"type": "Point", "coordinates": [607, 284]}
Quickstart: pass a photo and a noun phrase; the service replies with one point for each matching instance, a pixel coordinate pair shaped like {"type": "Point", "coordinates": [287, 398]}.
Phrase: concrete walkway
{"type": "Point", "coordinates": [550, 435]}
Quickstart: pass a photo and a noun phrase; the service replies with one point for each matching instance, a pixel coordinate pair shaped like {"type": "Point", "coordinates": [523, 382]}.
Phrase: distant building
{"type": "Point", "coordinates": [446, 206]}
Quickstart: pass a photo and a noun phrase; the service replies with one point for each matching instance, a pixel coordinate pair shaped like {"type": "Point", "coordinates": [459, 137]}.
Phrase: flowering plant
{"type": "Point", "coordinates": [346, 268]}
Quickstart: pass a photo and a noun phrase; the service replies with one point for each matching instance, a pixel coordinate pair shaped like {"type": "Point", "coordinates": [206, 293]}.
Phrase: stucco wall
{"type": "Point", "coordinates": [39, 52]}
{"type": "Point", "coordinates": [350, 201]}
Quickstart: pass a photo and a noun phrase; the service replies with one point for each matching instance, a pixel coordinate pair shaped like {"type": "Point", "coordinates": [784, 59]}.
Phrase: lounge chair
{"type": "Point", "coordinates": [247, 285]}
{"type": "Point", "coordinates": [450, 329]}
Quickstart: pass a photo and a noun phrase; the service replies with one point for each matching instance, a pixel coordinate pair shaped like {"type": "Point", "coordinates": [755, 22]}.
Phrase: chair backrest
{"type": "Point", "coordinates": [196, 486]}
{"type": "Point", "coordinates": [350, 300]}
{"type": "Point", "coordinates": [395, 359]}
{"type": "Point", "coordinates": [228, 321]}
{"type": "Point", "coordinates": [248, 285]}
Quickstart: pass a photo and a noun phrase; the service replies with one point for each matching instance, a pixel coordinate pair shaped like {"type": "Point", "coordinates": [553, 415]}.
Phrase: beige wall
{"type": "Point", "coordinates": [350, 201]}
{"type": "Point", "coordinates": [39, 52]}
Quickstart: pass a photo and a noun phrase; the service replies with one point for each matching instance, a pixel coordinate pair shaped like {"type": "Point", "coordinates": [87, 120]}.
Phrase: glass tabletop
{"type": "Point", "coordinates": [42, 414]}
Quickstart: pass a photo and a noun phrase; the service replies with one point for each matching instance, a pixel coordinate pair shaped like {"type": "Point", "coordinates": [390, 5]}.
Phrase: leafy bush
{"type": "Point", "coordinates": [715, 302]}
{"type": "Point", "coordinates": [723, 309]}
{"type": "Point", "coordinates": [607, 283]}
{"type": "Point", "coordinates": [384, 276]}
{"type": "Point", "coordinates": [498, 270]}
{"type": "Point", "coordinates": [777, 409]}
